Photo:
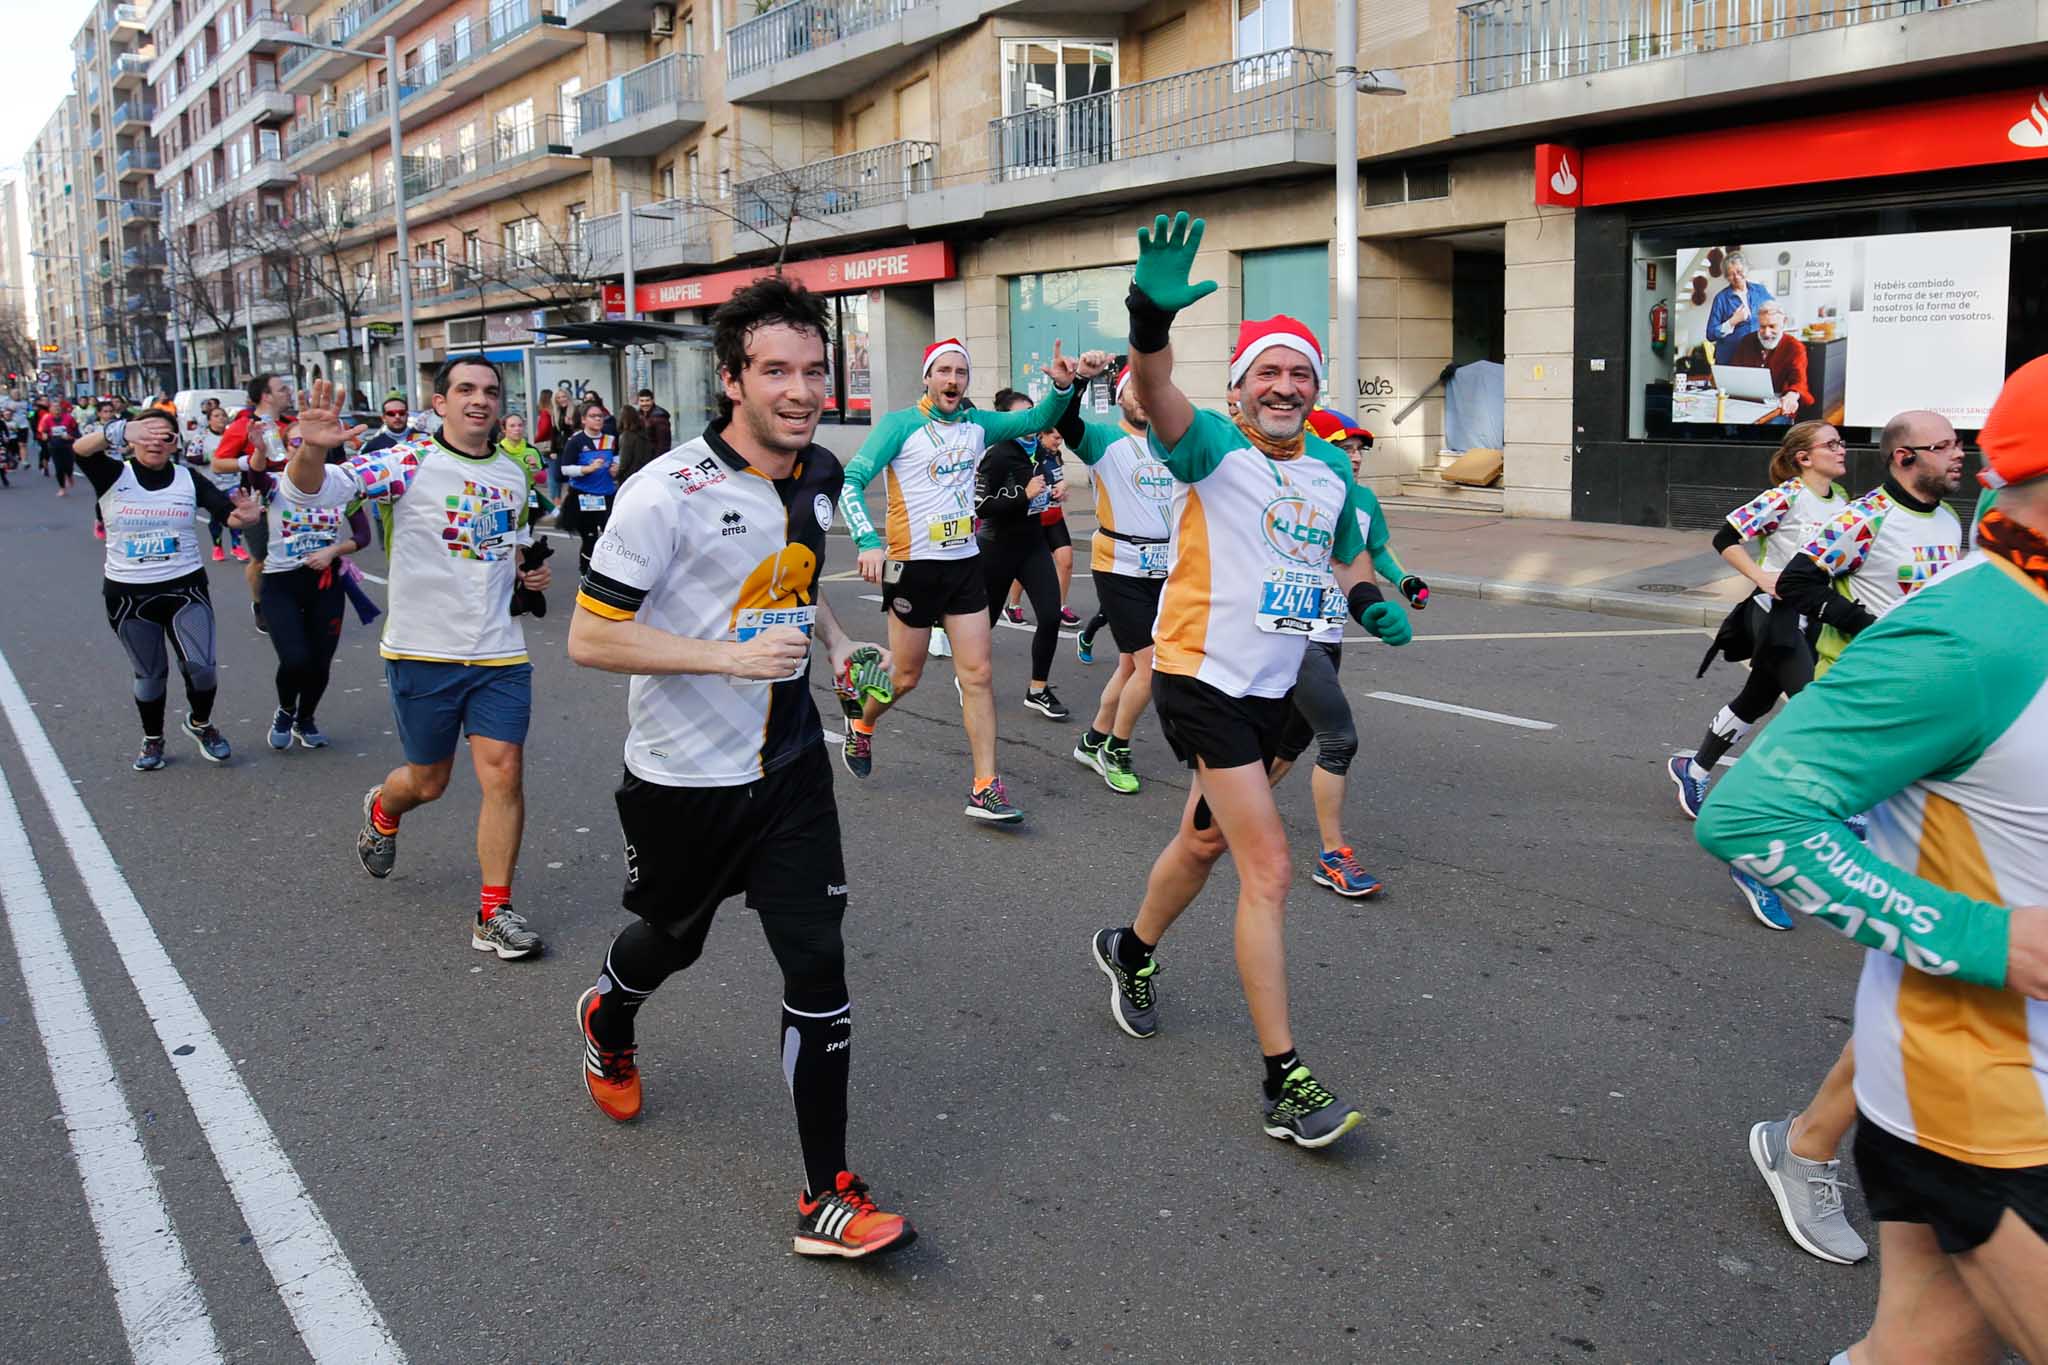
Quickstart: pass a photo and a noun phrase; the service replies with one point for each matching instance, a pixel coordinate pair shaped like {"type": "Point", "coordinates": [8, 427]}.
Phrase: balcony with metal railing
{"type": "Point", "coordinates": [94, 138]}
{"type": "Point", "coordinates": [361, 25]}
{"type": "Point", "coordinates": [124, 16]}
{"type": "Point", "coordinates": [130, 70]}
{"type": "Point", "coordinates": [612, 16]}
{"type": "Point", "coordinates": [667, 234]}
{"type": "Point", "coordinates": [136, 162]}
{"type": "Point", "coordinates": [860, 192]}
{"type": "Point", "coordinates": [828, 49]}
{"type": "Point", "coordinates": [332, 136]}
{"type": "Point", "coordinates": [1537, 61]}
{"type": "Point", "coordinates": [503, 162]}
{"type": "Point", "coordinates": [643, 110]}
{"type": "Point", "coordinates": [139, 211]}
{"type": "Point", "coordinates": [468, 59]}
{"type": "Point", "coordinates": [146, 256]}
{"type": "Point", "coordinates": [133, 114]}
{"type": "Point", "coordinates": [262, 100]}
{"type": "Point", "coordinates": [147, 301]}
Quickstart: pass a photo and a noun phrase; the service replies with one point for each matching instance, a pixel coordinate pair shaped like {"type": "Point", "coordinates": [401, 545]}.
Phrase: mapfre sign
{"type": "Point", "coordinates": [1901, 139]}
{"type": "Point", "coordinates": [920, 264]}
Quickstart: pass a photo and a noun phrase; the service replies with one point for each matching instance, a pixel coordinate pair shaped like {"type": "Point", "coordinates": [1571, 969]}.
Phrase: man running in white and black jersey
{"type": "Point", "coordinates": [704, 587]}
{"type": "Point", "coordinates": [156, 595]}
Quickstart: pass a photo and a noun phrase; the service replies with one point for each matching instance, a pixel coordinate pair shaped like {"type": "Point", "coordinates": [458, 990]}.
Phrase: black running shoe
{"type": "Point", "coordinates": [1046, 703]}
{"type": "Point", "coordinates": [256, 610]}
{"type": "Point", "coordinates": [1130, 995]}
{"type": "Point", "coordinates": [1306, 1114]}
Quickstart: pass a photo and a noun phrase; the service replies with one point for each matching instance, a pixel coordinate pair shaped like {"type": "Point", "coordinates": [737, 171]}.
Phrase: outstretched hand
{"type": "Point", "coordinates": [1061, 371]}
{"type": "Point", "coordinates": [320, 424]}
{"type": "Point", "coordinates": [1166, 257]}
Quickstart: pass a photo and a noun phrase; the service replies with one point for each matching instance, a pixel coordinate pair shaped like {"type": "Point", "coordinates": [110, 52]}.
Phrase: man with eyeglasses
{"type": "Point", "coordinates": [1883, 548]}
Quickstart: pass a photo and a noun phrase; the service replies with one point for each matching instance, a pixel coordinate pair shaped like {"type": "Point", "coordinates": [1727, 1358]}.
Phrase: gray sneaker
{"type": "Point", "coordinates": [378, 853]}
{"type": "Point", "coordinates": [213, 746]}
{"type": "Point", "coordinates": [1809, 1195]}
{"type": "Point", "coordinates": [1306, 1114]}
{"type": "Point", "coordinates": [504, 933]}
{"type": "Point", "coordinates": [1130, 993]}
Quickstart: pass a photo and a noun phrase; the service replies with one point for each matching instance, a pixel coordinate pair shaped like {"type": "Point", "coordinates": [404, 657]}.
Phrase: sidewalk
{"type": "Point", "coordinates": [1641, 572]}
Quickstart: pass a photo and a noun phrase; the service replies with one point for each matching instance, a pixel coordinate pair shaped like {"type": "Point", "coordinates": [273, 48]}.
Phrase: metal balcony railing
{"type": "Point", "coordinates": [820, 189]}
{"type": "Point", "coordinates": [340, 121]}
{"type": "Point", "coordinates": [666, 223]}
{"type": "Point", "coordinates": [464, 45]}
{"type": "Point", "coordinates": [136, 159]}
{"type": "Point", "coordinates": [118, 15]}
{"type": "Point", "coordinates": [804, 26]}
{"type": "Point", "coordinates": [99, 183]}
{"type": "Point", "coordinates": [1506, 43]}
{"type": "Point", "coordinates": [138, 211]}
{"type": "Point", "coordinates": [661, 82]}
{"type": "Point", "coordinates": [232, 98]}
{"type": "Point", "coordinates": [149, 257]}
{"type": "Point", "coordinates": [1287, 90]}
{"type": "Point", "coordinates": [148, 301]}
{"type": "Point", "coordinates": [136, 111]}
{"type": "Point", "coordinates": [497, 149]}
{"type": "Point", "coordinates": [100, 228]}
{"type": "Point", "coordinates": [94, 139]}
{"type": "Point", "coordinates": [129, 64]}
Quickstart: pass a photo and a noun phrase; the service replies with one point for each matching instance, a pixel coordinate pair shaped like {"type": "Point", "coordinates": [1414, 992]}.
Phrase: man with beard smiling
{"type": "Point", "coordinates": [454, 655]}
{"type": "Point", "coordinates": [929, 568]}
{"type": "Point", "coordinates": [1770, 347]}
{"type": "Point", "coordinates": [1264, 515]}
{"type": "Point", "coordinates": [705, 588]}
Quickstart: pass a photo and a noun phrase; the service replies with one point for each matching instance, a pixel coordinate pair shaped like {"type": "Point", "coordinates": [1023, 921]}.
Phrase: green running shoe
{"type": "Point", "coordinates": [1116, 770]}
{"type": "Point", "coordinates": [863, 679]}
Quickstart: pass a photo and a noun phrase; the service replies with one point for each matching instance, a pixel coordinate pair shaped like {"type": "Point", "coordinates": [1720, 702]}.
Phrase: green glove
{"type": "Point", "coordinates": [1166, 253]}
{"type": "Point", "coordinates": [1388, 622]}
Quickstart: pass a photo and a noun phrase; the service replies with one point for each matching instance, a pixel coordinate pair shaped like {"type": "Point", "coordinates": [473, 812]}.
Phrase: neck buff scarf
{"type": "Point", "coordinates": [1267, 446]}
{"type": "Point", "coordinates": [2025, 548]}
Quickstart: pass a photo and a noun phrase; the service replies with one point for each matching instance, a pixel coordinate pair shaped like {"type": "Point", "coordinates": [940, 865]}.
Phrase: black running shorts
{"type": "Point", "coordinates": [924, 592]}
{"type": "Point", "coordinates": [1904, 1182]}
{"type": "Point", "coordinates": [1202, 722]}
{"type": "Point", "coordinates": [1057, 536]}
{"type": "Point", "coordinates": [774, 841]}
{"type": "Point", "coordinates": [1132, 605]}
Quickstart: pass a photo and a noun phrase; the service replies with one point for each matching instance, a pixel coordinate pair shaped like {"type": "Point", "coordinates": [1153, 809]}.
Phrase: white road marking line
{"type": "Point", "coordinates": [1562, 634]}
{"type": "Point", "coordinates": [372, 577]}
{"type": "Point", "coordinates": [1004, 622]}
{"type": "Point", "coordinates": [1428, 705]}
{"type": "Point", "coordinates": [336, 1320]}
{"type": "Point", "coordinates": [161, 1308]}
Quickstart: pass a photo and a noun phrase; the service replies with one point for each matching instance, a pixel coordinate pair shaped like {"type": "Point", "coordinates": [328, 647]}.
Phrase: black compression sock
{"type": "Point", "coordinates": [201, 705]}
{"type": "Point", "coordinates": [816, 1060]}
{"type": "Point", "coordinates": [1132, 952]}
{"type": "Point", "coordinates": [152, 713]}
{"type": "Point", "coordinates": [1277, 1069]}
{"type": "Point", "coordinates": [648, 957]}
{"type": "Point", "coordinates": [1095, 738]}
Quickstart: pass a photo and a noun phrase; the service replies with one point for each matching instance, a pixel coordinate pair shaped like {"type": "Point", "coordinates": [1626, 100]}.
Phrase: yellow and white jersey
{"type": "Point", "coordinates": [1133, 501]}
{"type": "Point", "coordinates": [1253, 539]}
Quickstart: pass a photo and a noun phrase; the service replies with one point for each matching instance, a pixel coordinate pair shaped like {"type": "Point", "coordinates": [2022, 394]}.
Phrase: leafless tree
{"type": "Point", "coordinates": [209, 301]}
{"type": "Point", "coordinates": [333, 283]}
{"type": "Point", "coordinates": [18, 354]}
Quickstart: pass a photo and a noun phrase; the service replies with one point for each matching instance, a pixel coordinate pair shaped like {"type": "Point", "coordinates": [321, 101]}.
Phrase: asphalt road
{"type": "Point", "coordinates": [1559, 1021]}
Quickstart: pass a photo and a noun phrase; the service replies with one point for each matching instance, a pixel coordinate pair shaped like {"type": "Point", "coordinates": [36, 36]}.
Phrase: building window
{"type": "Point", "coordinates": [1263, 26]}
{"type": "Point", "coordinates": [1047, 90]}
{"type": "Point", "coordinates": [522, 241]}
{"type": "Point", "coordinates": [1407, 184]}
{"type": "Point", "coordinates": [665, 180]}
{"type": "Point", "coordinates": [694, 177]}
{"type": "Point", "coordinates": [572, 221]}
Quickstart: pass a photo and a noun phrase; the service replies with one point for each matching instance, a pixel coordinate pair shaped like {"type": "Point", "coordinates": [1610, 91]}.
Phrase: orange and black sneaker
{"type": "Point", "coordinates": [611, 1076]}
{"type": "Point", "coordinates": [845, 1222]}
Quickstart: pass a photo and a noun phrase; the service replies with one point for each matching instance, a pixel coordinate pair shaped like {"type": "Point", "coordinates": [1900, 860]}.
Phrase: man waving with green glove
{"type": "Point", "coordinates": [1263, 515]}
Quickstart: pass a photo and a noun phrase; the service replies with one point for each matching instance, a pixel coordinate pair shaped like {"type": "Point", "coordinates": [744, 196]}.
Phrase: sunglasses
{"type": "Point", "coordinates": [394, 412]}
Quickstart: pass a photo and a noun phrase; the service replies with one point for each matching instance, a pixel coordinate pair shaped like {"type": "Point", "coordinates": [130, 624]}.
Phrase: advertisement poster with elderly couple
{"type": "Point", "coordinates": [1846, 329]}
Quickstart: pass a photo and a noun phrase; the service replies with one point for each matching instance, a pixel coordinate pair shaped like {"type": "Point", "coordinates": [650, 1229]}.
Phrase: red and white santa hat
{"type": "Point", "coordinates": [1278, 330]}
{"type": "Point", "coordinates": [952, 345]}
{"type": "Point", "coordinates": [1123, 381]}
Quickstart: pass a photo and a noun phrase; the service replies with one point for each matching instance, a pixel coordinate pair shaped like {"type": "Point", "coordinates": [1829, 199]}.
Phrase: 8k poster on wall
{"type": "Point", "coordinates": [1872, 325]}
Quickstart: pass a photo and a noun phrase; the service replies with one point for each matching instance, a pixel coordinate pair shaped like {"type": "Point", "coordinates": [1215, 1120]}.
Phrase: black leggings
{"type": "Point", "coordinates": [1777, 672]}
{"type": "Point", "coordinates": [589, 526]}
{"type": "Point", "coordinates": [60, 456]}
{"type": "Point", "coordinates": [150, 625]}
{"type": "Point", "coordinates": [1025, 558]}
{"type": "Point", "coordinates": [1321, 711]}
{"type": "Point", "coordinates": [304, 619]}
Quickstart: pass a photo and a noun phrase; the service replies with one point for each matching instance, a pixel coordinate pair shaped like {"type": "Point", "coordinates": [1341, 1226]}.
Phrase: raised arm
{"type": "Point", "coordinates": [319, 430]}
{"type": "Point", "coordinates": [1160, 288]}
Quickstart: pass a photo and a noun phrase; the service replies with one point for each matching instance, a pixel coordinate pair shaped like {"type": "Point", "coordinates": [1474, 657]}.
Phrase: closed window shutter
{"type": "Point", "coordinates": [914, 111]}
{"type": "Point", "coordinates": [871, 127]}
{"type": "Point", "coordinates": [1164, 49]}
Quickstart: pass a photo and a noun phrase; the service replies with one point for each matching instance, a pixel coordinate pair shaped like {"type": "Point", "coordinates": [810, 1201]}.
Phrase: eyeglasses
{"type": "Point", "coordinates": [1953, 443]}
{"type": "Point", "coordinates": [1837, 444]}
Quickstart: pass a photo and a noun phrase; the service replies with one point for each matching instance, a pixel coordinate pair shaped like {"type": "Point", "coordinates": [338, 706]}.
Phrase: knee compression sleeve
{"type": "Point", "coordinates": [1335, 749]}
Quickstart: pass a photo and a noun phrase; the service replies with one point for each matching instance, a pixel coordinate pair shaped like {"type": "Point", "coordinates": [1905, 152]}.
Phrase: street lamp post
{"type": "Point", "coordinates": [1344, 344]}
{"type": "Point", "coordinates": [405, 319]}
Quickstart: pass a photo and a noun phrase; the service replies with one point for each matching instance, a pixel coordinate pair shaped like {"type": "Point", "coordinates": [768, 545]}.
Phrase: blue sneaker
{"type": "Point", "coordinates": [1763, 901]}
{"type": "Point", "coordinates": [281, 730]}
{"type": "Point", "coordinates": [1339, 871]}
{"type": "Point", "coordinates": [1692, 793]}
{"type": "Point", "coordinates": [308, 736]}
{"type": "Point", "coordinates": [1084, 646]}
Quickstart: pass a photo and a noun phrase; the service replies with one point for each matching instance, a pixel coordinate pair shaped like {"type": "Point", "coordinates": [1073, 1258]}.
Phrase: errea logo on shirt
{"type": "Point", "coordinates": [1299, 530]}
{"type": "Point", "coordinates": [733, 524]}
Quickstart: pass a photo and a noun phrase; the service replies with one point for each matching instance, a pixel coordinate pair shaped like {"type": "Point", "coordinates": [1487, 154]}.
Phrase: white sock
{"type": "Point", "coordinates": [1842, 1359]}
{"type": "Point", "coordinates": [1695, 771]}
{"type": "Point", "coordinates": [1730, 727]}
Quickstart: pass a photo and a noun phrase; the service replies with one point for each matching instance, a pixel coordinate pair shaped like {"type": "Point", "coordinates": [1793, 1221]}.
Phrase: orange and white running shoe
{"type": "Point", "coordinates": [611, 1077]}
{"type": "Point", "coordinates": [845, 1222]}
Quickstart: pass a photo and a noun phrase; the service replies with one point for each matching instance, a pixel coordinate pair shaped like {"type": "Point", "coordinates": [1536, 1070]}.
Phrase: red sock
{"type": "Point", "coordinates": [379, 821]}
{"type": "Point", "coordinates": [493, 897]}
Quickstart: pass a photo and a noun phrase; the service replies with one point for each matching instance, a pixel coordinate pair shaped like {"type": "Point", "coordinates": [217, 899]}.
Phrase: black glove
{"type": "Point", "coordinates": [525, 601]}
{"type": "Point", "coordinates": [1416, 591]}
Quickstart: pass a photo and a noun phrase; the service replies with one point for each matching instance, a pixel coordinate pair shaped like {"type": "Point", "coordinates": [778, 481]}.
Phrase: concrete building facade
{"type": "Point", "coordinates": [56, 236]}
{"type": "Point", "coordinates": [114, 194]}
